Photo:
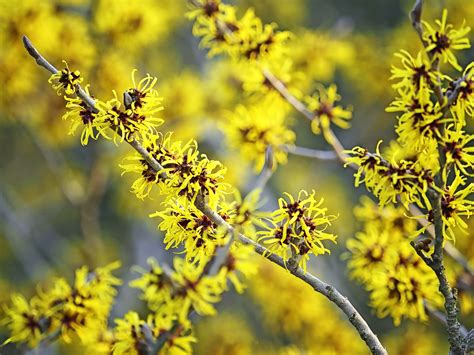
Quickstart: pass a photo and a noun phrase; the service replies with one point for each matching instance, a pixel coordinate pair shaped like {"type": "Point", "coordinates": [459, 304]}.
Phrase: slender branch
{"type": "Point", "coordinates": [415, 17]}
{"type": "Point", "coordinates": [319, 286]}
{"type": "Point", "coordinates": [287, 95]}
{"type": "Point", "coordinates": [301, 107]}
{"type": "Point", "coordinates": [329, 292]}
{"type": "Point", "coordinates": [310, 153]}
{"type": "Point", "coordinates": [267, 170]}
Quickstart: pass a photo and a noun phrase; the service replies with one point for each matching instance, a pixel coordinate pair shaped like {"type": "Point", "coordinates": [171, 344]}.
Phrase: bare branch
{"type": "Point", "coordinates": [415, 17]}
{"type": "Point", "coordinates": [311, 153]}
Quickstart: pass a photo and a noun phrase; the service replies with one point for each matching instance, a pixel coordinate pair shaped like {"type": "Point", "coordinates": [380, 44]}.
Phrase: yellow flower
{"type": "Point", "coordinates": [253, 129]}
{"type": "Point", "coordinates": [442, 41]}
{"type": "Point", "coordinates": [81, 115]}
{"type": "Point", "coordinates": [298, 228]}
{"type": "Point", "coordinates": [416, 74]}
{"type": "Point", "coordinates": [382, 259]}
{"type": "Point", "coordinates": [155, 285]}
{"type": "Point", "coordinates": [455, 204]}
{"type": "Point", "coordinates": [190, 228]}
{"type": "Point", "coordinates": [246, 38]}
{"type": "Point", "coordinates": [25, 320]}
{"type": "Point", "coordinates": [390, 181]}
{"type": "Point", "coordinates": [323, 105]}
{"type": "Point", "coordinates": [65, 311]}
{"type": "Point", "coordinates": [186, 172]}
{"type": "Point", "coordinates": [240, 265]}
{"type": "Point", "coordinates": [457, 150]}
{"type": "Point", "coordinates": [133, 335]}
{"type": "Point", "coordinates": [401, 292]}
{"type": "Point", "coordinates": [195, 289]}
{"type": "Point", "coordinates": [65, 80]}
{"type": "Point", "coordinates": [369, 250]}
{"type": "Point", "coordinates": [137, 113]}
{"type": "Point", "coordinates": [244, 214]}
{"type": "Point", "coordinates": [464, 105]}
{"type": "Point", "coordinates": [132, 26]}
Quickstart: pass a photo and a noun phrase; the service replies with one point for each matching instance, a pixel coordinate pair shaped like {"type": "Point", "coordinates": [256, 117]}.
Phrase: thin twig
{"type": "Point", "coordinates": [267, 170]}
{"type": "Point", "coordinates": [319, 286]}
{"type": "Point", "coordinates": [311, 153]}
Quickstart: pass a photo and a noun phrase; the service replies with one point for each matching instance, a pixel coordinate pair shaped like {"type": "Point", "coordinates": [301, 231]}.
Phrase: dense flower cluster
{"type": "Point", "coordinates": [382, 259]}
{"type": "Point", "coordinates": [66, 311]}
{"type": "Point", "coordinates": [434, 150]}
{"type": "Point", "coordinates": [135, 117]}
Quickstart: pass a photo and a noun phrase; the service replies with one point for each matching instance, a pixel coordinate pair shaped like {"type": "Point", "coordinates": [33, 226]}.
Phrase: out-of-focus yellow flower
{"type": "Point", "coordinates": [252, 130]}
{"type": "Point", "coordinates": [326, 111]}
{"type": "Point", "coordinates": [381, 258]}
{"type": "Point", "coordinates": [131, 25]}
{"type": "Point", "coordinates": [64, 311]}
{"type": "Point", "coordinates": [293, 311]}
{"type": "Point", "coordinates": [317, 54]}
{"type": "Point", "coordinates": [26, 321]}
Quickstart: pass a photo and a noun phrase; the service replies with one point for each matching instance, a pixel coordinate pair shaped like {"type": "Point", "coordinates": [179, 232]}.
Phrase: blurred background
{"type": "Point", "coordinates": [63, 205]}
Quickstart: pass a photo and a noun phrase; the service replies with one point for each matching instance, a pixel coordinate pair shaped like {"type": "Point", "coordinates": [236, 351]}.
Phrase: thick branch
{"type": "Point", "coordinates": [449, 294]}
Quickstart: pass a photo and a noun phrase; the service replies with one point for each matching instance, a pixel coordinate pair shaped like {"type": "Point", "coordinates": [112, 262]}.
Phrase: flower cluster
{"type": "Point", "coordinates": [403, 180]}
{"type": "Point", "coordinates": [244, 38]}
{"type": "Point", "coordinates": [381, 258]}
{"type": "Point", "coordinates": [297, 228]}
{"type": "Point", "coordinates": [65, 311]}
{"type": "Point", "coordinates": [132, 118]}
{"type": "Point", "coordinates": [186, 173]}
{"type": "Point", "coordinates": [177, 292]}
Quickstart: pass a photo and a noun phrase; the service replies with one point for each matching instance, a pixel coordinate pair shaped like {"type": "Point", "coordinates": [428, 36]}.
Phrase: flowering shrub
{"type": "Point", "coordinates": [219, 228]}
